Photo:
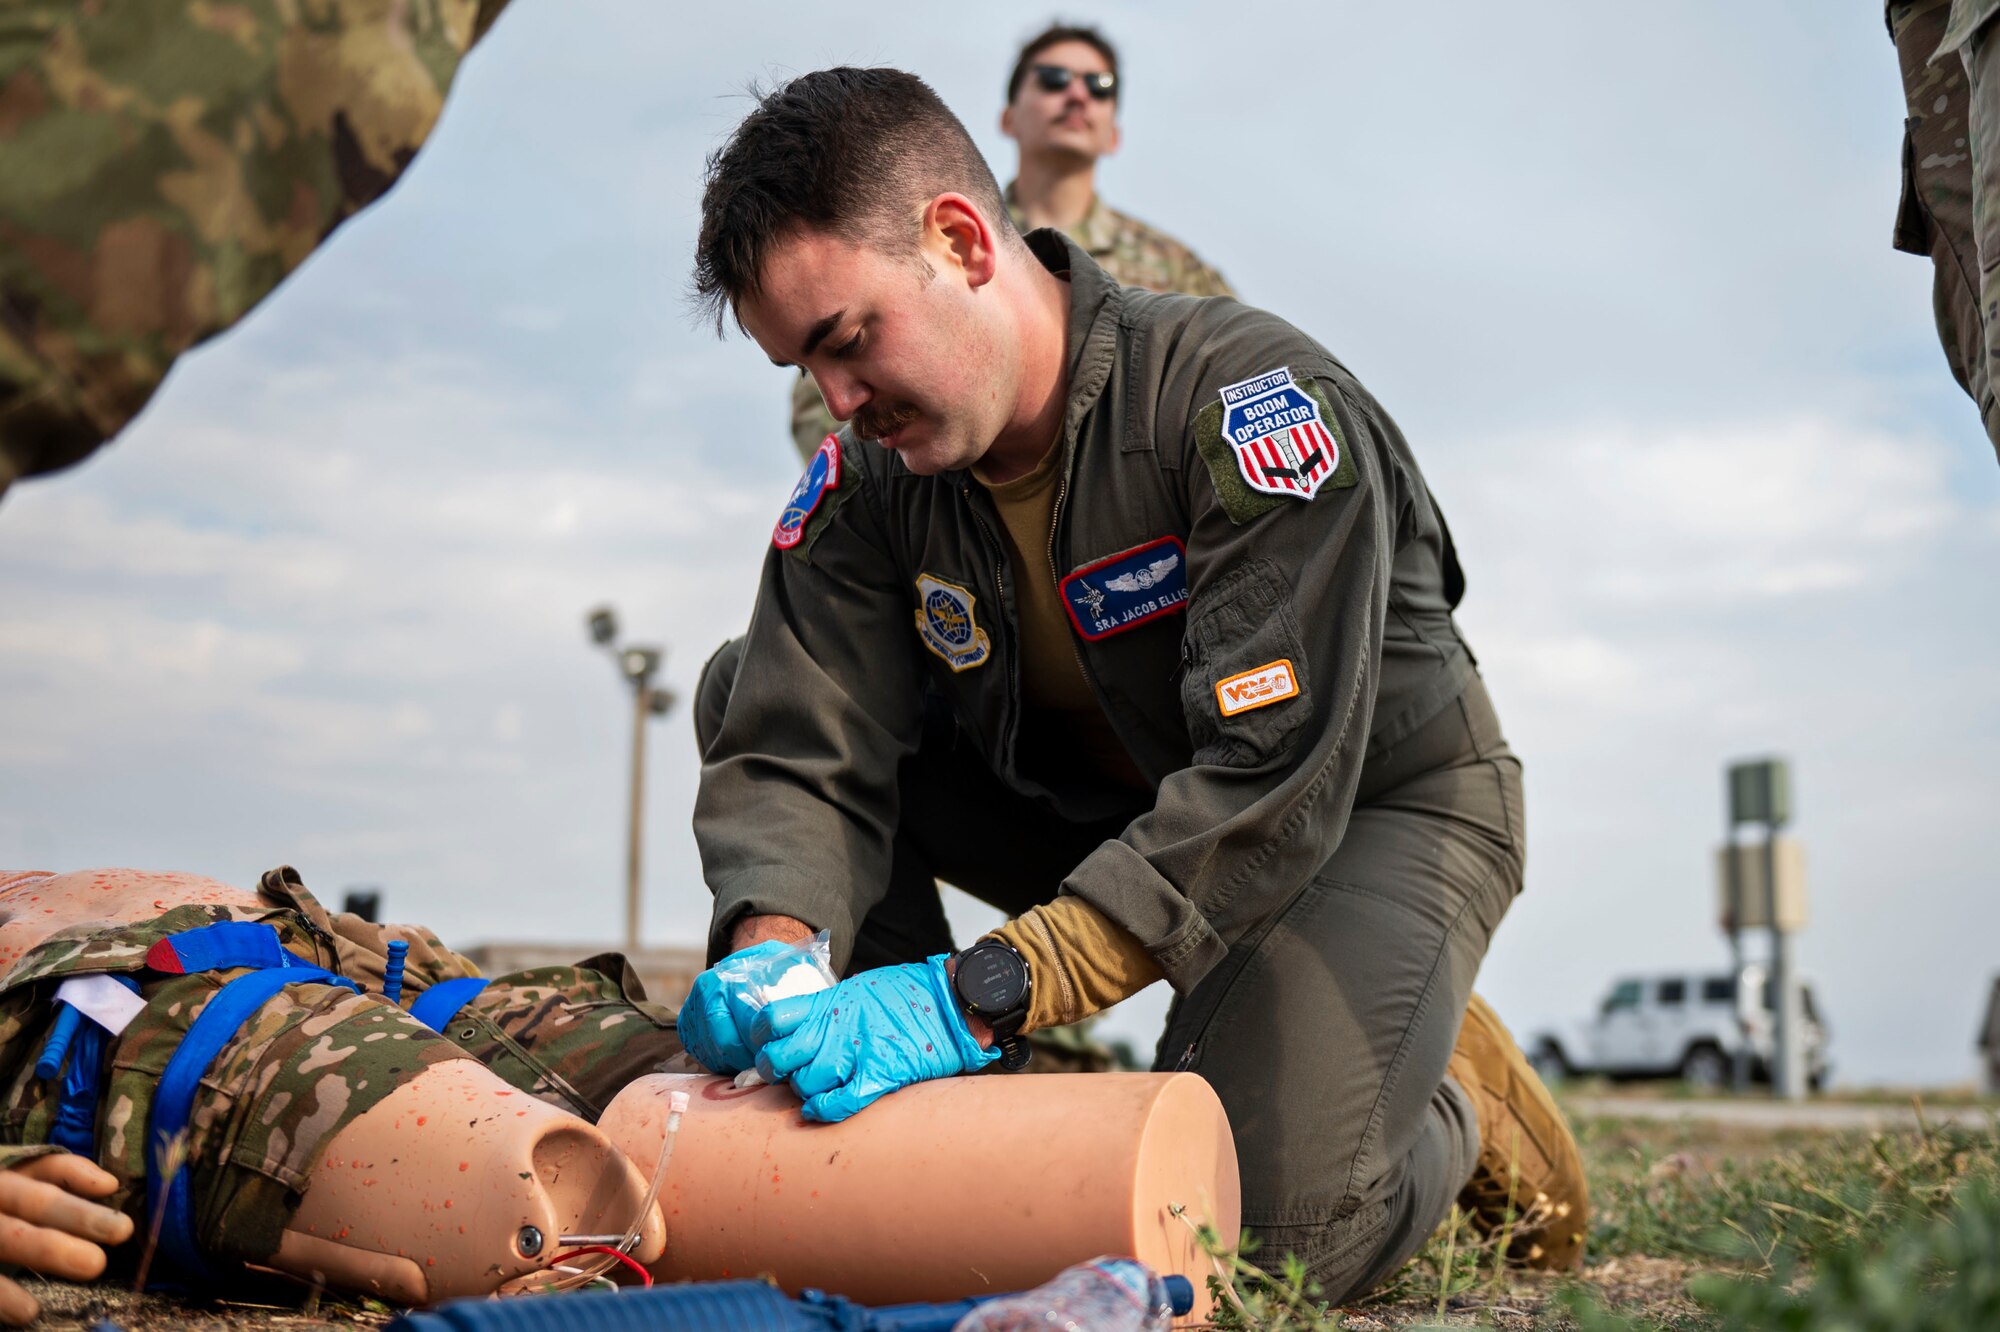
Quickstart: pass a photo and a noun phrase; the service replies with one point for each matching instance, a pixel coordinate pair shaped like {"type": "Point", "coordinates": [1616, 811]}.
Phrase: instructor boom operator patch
{"type": "Point", "coordinates": [1273, 427]}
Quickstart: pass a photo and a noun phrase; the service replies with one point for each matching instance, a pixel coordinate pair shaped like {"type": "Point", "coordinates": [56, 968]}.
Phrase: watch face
{"type": "Point", "coordinates": [992, 980]}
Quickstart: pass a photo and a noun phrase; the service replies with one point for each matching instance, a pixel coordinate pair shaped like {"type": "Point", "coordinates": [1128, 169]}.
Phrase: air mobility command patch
{"type": "Point", "coordinates": [945, 623]}
{"type": "Point", "coordinates": [1269, 438]}
{"type": "Point", "coordinates": [1124, 591]}
{"type": "Point", "coordinates": [822, 474]}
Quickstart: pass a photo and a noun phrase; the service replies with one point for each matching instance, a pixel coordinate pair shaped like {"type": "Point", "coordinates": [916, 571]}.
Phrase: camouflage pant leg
{"type": "Point", "coordinates": [1981, 58]}
{"type": "Point", "coordinates": [572, 1036]}
{"type": "Point", "coordinates": [308, 1062]}
{"type": "Point", "coordinates": [316, 1058]}
{"type": "Point", "coordinates": [1936, 215]}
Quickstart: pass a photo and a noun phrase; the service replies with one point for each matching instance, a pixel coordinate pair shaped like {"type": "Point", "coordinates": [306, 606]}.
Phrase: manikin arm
{"type": "Point", "coordinates": [49, 1225]}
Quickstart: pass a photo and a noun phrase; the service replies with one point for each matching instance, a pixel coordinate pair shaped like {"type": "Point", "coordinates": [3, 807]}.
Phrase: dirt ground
{"type": "Point", "coordinates": [66, 1307]}
{"type": "Point", "coordinates": [1656, 1287]}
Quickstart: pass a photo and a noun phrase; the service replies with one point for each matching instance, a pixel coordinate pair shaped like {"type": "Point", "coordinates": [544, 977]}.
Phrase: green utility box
{"type": "Point", "coordinates": [1760, 791]}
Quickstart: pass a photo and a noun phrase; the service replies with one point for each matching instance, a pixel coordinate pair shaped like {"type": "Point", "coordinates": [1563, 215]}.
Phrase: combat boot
{"type": "Point", "coordinates": [1529, 1183]}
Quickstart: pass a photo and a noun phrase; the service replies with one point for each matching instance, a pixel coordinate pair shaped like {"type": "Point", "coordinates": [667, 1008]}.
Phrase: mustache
{"type": "Point", "coordinates": [871, 423]}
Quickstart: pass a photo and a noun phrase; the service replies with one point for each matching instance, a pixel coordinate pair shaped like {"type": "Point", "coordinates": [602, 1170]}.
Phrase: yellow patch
{"type": "Point", "coordinates": [1273, 682]}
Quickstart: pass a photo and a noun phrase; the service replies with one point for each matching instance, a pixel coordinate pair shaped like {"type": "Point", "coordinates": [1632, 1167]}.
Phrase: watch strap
{"type": "Point", "coordinates": [1012, 1046]}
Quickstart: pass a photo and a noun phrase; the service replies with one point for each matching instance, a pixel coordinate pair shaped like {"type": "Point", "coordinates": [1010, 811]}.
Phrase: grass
{"type": "Point", "coordinates": [1718, 1229]}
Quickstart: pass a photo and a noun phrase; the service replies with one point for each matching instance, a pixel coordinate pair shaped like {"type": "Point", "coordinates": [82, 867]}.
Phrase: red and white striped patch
{"type": "Point", "coordinates": [1273, 427]}
{"type": "Point", "coordinates": [1291, 463]}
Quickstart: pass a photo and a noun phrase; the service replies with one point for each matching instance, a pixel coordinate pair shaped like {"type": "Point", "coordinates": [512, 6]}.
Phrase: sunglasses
{"type": "Point", "coordinates": [1055, 78]}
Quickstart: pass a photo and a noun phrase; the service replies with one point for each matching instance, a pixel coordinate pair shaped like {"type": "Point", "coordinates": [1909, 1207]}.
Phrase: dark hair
{"type": "Point", "coordinates": [1054, 35]}
{"type": "Point", "coordinates": [851, 152]}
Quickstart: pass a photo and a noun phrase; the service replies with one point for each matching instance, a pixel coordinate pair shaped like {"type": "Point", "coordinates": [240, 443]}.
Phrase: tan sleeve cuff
{"type": "Point", "coordinates": [1079, 961]}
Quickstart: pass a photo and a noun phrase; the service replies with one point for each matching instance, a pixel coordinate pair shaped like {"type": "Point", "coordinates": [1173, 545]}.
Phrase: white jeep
{"type": "Point", "coordinates": [1686, 1026]}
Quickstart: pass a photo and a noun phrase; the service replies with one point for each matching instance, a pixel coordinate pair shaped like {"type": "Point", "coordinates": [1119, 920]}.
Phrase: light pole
{"type": "Point", "coordinates": [638, 664]}
{"type": "Point", "coordinates": [1764, 886]}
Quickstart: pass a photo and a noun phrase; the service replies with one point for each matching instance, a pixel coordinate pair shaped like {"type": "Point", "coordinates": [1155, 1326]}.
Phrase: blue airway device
{"type": "Point", "coordinates": [392, 975]}
{"type": "Point", "coordinates": [710, 1306]}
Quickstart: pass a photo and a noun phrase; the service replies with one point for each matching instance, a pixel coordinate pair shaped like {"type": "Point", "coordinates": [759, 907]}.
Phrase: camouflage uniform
{"type": "Point", "coordinates": [1950, 207]}
{"type": "Point", "coordinates": [1126, 248]}
{"type": "Point", "coordinates": [165, 163]}
{"type": "Point", "coordinates": [313, 1059]}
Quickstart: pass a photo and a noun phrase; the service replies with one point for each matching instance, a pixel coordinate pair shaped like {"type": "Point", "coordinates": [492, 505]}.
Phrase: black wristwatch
{"type": "Point", "coordinates": [992, 983]}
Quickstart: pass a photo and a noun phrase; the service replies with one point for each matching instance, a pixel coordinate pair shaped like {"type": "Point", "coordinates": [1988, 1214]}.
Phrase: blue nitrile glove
{"type": "Point", "coordinates": [867, 1036]}
{"type": "Point", "coordinates": [715, 1021]}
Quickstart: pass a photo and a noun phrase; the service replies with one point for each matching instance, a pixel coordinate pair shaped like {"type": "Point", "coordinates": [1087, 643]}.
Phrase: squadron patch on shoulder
{"type": "Point", "coordinates": [1273, 682]}
{"type": "Point", "coordinates": [1274, 428]}
{"type": "Point", "coordinates": [1123, 591]}
{"type": "Point", "coordinates": [822, 474]}
{"type": "Point", "coordinates": [945, 623]}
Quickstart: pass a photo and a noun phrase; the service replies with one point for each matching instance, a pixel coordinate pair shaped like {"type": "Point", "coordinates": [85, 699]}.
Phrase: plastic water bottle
{"type": "Point", "coordinates": [1103, 1295]}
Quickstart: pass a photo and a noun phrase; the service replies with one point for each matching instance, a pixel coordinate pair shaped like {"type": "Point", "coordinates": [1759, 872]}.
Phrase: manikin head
{"type": "Point", "coordinates": [1062, 99]}
{"type": "Point", "coordinates": [852, 228]}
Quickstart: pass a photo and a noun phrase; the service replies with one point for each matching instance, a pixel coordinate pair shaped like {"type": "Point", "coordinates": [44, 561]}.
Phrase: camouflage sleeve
{"type": "Point", "coordinates": [22, 1153]}
{"type": "Point", "coordinates": [812, 421]}
{"type": "Point", "coordinates": [1201, 280]}
{"type": "Point", "coordinates": [163, 167]}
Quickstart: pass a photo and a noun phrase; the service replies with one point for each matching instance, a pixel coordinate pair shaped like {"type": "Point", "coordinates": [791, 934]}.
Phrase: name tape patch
{"type": "Point", "coordinates": [821, 475]}
{"type": "Point", "coordinates": [1124, 591]}
{"type": "Point", "coordinates": [1273, 427]}
{"type": "Point", "coordinates": [1273, 682]}
{"type": "Point", "coordinates": [945, 622]}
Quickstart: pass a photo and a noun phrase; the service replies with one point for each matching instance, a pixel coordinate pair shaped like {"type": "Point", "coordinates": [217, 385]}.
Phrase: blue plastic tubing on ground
{"type": "Point", "coordinates": [713, 1306]}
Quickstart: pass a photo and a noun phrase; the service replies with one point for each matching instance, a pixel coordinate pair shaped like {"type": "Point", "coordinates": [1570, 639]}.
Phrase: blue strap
{"type": "Point", "coordinates": [75, 1126]}
{"type": "Point", "coordinates": [173, 1102]}
{"type": "Point", "coordinates": [56, 1047]}
{"type": "Point", "coordinates": [437, 1006]}
{"type": "Point", "coordinates": [231, 943]}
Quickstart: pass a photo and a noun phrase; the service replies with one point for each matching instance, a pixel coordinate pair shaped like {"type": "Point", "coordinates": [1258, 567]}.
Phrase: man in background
{"type": "Point", "coordinates": [1062, 111]}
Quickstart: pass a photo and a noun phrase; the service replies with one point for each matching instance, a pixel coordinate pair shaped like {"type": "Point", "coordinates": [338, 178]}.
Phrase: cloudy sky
{"type": "Point", "coordinates": [1621, 273]}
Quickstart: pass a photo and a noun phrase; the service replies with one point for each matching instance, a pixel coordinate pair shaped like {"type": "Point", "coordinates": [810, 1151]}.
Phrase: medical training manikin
{"type": "Point", "coordinates": [275, 1088]}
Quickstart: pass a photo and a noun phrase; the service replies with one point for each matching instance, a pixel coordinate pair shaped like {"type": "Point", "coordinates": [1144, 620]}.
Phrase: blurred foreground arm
{"type": "Point", "coordinates": [163, 167]}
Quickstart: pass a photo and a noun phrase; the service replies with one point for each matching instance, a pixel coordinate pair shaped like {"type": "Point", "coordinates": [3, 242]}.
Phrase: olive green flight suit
{"type": "Point", "coordinates": [1317, 877]}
